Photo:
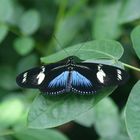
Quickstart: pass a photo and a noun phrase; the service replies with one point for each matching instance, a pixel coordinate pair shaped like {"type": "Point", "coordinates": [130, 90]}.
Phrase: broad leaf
{"type": "Point", "coordinates": [7, 76]}
{"type": "Point", "coordinates": [135, 36]}
{"type": "Point", "coordinates": [123, 125]}
{"type": "Point", "coordinates": [11, 109]}
{"type": "Point", "coordinates": [130, 11]}
{"type": "Point", "coordinates": [67, 29]}
{"type": "Point", "coordinates": [52, 111]}
{"type": "Point", "coordinates": [97, 49]}
{"type": "Point", "coordinates": [29, 22]}
{"type": "Point", "coordinates": [26, 63]}
{"type": "Point", "coordinates": [87, 119]}
{"type": "Point", "coordinates": [6, 10]}
{"type": "Point", "coordinates": [105, 24]}
{"type": "Point", "coordinates": [2, 138]}
{"type": "Point", "coordinates": [24, 45]}
{"type": "Point", "coordinates": [107, 121]}
{"type": "Point", "coordinates": [118, 137]}
{"type": "Point", "coordinates": [132, 115]}
{"type": "Point", "coordinates": [33, 134]}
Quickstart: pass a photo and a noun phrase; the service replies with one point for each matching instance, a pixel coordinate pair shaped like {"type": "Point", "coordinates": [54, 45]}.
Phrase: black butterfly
{"type": "Point", "coordinates": [69, 75]}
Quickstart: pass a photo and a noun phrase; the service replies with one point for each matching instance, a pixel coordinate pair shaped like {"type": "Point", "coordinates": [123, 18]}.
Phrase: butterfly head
{"type": "Point", "coordinates": [70, 60]}
{"type": "Point", "coordinates": [73, 59]}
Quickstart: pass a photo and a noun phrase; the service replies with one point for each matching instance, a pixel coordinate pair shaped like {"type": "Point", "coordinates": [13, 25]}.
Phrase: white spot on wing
{"type": "Point", "coordinates": [24, 77]}
{"type": "Point", "coordinates": [40, 78]}
{"type": "Point", "coordinates": [43, 69]}
{"type": "Point", "coordinates": [99, 66]}
{"type": "Point", "coordinates": [119, 73]}
{"type": "Point", "coordinates": [100, 75]}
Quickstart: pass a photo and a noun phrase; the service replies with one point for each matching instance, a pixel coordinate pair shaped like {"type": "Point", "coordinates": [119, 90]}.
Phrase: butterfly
{"type": "Point", "coordinates": [72, 75]}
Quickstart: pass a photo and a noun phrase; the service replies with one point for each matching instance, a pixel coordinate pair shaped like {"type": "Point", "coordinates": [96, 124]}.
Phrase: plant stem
{"type": "Point", "coordinates": [61, 13]}
{"type": "Point", "coordinates": [131, 67]}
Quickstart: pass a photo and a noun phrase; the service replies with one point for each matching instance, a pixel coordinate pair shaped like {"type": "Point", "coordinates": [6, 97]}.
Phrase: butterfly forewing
{"type": "Point", "coordinates": [34, 78]}
{"type": "Point", "coordinates": [107, 75]}
{"type": "Point", "coordinates": [28, 79]}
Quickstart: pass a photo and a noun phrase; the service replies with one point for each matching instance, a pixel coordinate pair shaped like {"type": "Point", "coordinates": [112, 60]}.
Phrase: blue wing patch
{"type": "Point", "coordinates": [60, 80]}
{"type": "Point", "coordinates": [80, 80]}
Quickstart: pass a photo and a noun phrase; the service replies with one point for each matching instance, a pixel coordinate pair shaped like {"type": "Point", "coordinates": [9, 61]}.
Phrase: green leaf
{"type": "Point", "coordinates": [14, 21]}
{"type": "Point", "coordinates": [118, 137]}
{"type": "Point", "coordinates": [135, 36]}
{"type": "Point", "coordinates": [130, 11]}
{"type": "Point", "coordinates": [107, 121]}
{"type": "Point", "coordinates": [123, 125]}
{"type": "Point", "coordinates": [3, 32]}
{"type": "Point", "coordinates": [107, 62]}
{"type": "Point", "coordinates": [33, 134]}
{"type": "Point", "coordinates": [11, 109]}
{"type": "Point", "coordinates": [24, 45]}
{"type": "Point", "coordinates": [132, 115]}
{"type": "Point", "coordinates": [2, 138]}
{"type": "Point", "coordinates": [82, 119]}
{"type": "Point", "coordinates": [105, 23]}
{"type": "Point", "coordinates": [96, 49]}
{"type": "Point", "coordinates": [52, 111]}
{"type": "Point", "coordinates": [7, 78]}
{"type": "Point", "coordinates": [71, 25]}
{"type": "Point", "coordinates": [29, 22]}
{"type": "Point", "coordinates": [6, 10]}
{"type": "Point", "coordinates": [27, 62]}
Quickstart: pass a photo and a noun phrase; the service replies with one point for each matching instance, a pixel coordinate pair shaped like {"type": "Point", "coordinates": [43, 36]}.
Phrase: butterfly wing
{"type": "Point", "coordinates": [55, 82]}
{"type": "Point", "coordinates": [29, 79]}
{"type": "Point", "coordinates": [88, 78]}
{"type": "Point", "coordinates": [84, 80]}
{"type": "Point", "coordinates": [108, 75]}
{"type": "Point", "coordinates": [50, 78]}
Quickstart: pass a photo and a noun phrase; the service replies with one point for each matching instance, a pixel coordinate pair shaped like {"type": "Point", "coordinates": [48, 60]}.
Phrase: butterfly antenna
{"type": "Point", "coordinates": [60, 45]}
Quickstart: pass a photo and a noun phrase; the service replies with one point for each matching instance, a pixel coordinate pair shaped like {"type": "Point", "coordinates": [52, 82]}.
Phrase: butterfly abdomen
{"type": "Point", "coordinates": [69, 81]}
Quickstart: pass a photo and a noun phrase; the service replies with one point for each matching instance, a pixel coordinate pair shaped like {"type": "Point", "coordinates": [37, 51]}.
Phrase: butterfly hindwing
{"type": "Point", "coordinates": [56, 82]}
{"type": "Point", "coordinates": [84, 80]}
{"type": "Point", "coordinates": [80, 80]}
{"type": "Point", "coordinates": [60, 80]}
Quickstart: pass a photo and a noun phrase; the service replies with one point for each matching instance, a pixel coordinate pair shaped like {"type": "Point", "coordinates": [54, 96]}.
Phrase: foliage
{"type": "Point", "coordinates": [105, 31]}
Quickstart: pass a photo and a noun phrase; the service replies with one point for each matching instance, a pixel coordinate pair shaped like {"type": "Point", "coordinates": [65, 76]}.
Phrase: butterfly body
{"type": "Point", "coordinates": [72, 75]}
